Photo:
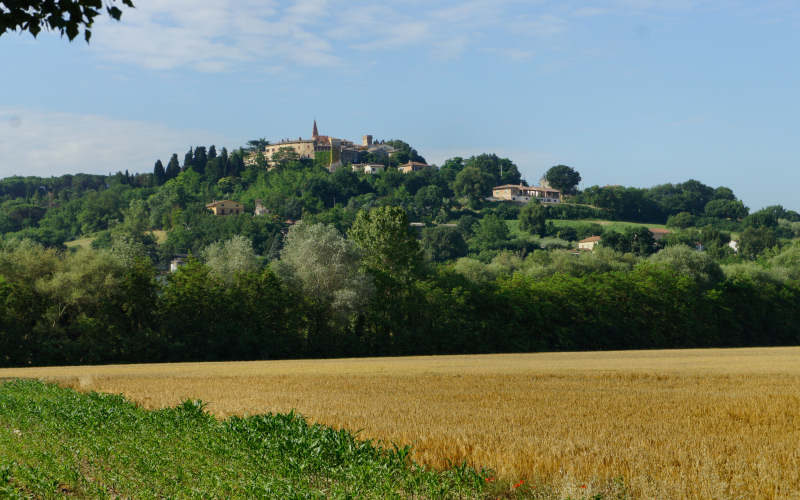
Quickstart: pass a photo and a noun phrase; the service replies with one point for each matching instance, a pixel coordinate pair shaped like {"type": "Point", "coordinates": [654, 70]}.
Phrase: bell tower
{"type": "Point", "coordinates": [315, 132]}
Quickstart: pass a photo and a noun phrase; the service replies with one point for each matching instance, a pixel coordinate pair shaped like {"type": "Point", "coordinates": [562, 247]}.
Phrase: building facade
{"type": "Point", "coordinates": [589, 243]}
{"type": "Point", "coordinates": [226, 207]}
{"type": "Point", "coordinates": [524, 194]}
{"type": "Point", "coordinates": [368, 168]}
{"type": "Point", "coordinates": [412, 166]}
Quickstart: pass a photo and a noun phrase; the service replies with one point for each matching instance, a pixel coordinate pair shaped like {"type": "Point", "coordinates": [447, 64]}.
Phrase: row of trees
{"type": "Point", "coordinates": [371, 292]}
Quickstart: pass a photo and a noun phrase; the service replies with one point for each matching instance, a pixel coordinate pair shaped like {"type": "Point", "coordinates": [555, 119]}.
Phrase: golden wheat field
{"type": "Point", "coordinates": [714, 423]}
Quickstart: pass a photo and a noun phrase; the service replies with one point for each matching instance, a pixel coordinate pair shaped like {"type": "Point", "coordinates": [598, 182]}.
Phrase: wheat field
{"type": "Point", "coordinates": [705, 424]}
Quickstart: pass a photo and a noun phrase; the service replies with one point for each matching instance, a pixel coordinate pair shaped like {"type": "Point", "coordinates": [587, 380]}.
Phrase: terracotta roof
{"type": "Point", "coordinates": [658, 230]}
{"type": "Point", "coordinates": [530, 188]}
{"type": "Point", "coordinates": [590, 239]}
{"type": "Point", "coordinates": [219, 202]}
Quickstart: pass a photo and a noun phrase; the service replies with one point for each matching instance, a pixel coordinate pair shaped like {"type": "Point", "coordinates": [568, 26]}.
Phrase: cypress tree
{"type": "Point", "coordinates": [159, 174]}
{"type": "Point", "coordinates": [237, 165]}
{"type": "Point", "coordinates": [200, 159]}
{"type": "Point", "coordinates": [212, 152]}
{"type": "Point", "coordinates": [187, 159]}
{"type": "Point", "coordinates": [173, 167]}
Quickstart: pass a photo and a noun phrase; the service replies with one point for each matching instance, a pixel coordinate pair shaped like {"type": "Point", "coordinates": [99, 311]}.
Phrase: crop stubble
{"type": "Point", "coordinates": [672, 424]}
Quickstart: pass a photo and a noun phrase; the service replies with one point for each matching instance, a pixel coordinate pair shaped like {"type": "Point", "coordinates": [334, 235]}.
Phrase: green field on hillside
{"type": "Point", "coordinates": [159, 234]}
{"type": "Point", "coordinates": [58, 443]}
{"type": "Point", "coordinates": [615, 225]}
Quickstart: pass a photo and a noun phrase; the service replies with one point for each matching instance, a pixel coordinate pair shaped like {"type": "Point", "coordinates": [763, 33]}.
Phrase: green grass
{"type": "Point", "coordinates": [615, 225]}
{"type": "Point", "coordinates": [80, 242]}
{"type": "Point", "coordinates": [159, 234]}
{"type": "Point", "coordinates": [59, 443]}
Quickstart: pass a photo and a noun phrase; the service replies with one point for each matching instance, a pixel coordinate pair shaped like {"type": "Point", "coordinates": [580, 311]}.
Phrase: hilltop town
{"type": "Point", "coordinates": [331, 151]}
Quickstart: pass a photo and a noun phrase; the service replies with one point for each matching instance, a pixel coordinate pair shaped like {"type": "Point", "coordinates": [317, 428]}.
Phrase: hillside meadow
{"type": "Point", "coordinates": [713, 423]}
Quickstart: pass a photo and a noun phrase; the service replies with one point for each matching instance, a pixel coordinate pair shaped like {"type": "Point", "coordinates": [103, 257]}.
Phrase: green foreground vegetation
{"type": "Point", "coordinates": [58, 443]}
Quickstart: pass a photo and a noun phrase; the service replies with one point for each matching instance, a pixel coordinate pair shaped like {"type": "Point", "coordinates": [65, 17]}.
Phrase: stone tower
{"type": "Point", "coordinates": [315, 132]}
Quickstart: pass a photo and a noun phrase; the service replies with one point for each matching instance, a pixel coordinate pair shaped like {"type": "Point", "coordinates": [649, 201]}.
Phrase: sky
{"type": "Point", "coordinates": [631, 92]}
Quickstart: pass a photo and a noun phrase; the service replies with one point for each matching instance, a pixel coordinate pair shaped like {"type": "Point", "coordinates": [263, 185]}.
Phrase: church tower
{"type": "Point", "coordinates": [315, 132]}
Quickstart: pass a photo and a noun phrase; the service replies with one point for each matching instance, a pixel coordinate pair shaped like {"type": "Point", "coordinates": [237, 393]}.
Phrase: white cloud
{"type": "Point", "coordinates": [257, 35]}
{"type": "Point", "coordinates": [219, 35]}
{"type": "Point", "coordinates": [45, 144]}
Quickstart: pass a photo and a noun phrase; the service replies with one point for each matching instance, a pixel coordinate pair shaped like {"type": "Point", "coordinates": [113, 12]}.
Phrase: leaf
{"type": "Point", "coordinates": [115, 12]}
{"type": "Point", "coordinates": [72, 30]}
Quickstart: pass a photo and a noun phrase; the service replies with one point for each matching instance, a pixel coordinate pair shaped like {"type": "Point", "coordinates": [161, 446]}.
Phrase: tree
{"type": "Point", "coordinates": [66, 17]}
{"type": "Point", "coordinates": [443, 243]}
{"type": "Point", "coordinates": [754, 240]}
{"type": "Point", "coordinates": [159, 174]}
{"type": "Point", "coordinates": [492, 232]}
{"type": "Point", "coordinates": [681, 220]}
{"type": "Point", "coordinates": [699, 266]}
{"type": "Point", "coordinates": [200, 159]}
{"type": "Point", "coordinates": [227, 258]}
{"type": "Point", "coordinates": [404, 153]}
{"type": "Point", "coordinates": [254, 145]}
{"type": "Point", "coordinates": [726, 209]}
{"type": "Point", "coordinates": [318, 260]}
{"type": "Point", "coordinates": [187, 159]}
{"type": "Point", "coordinates": [386, 241]}
{"type": "Point", "coordinates": [173, 167]}
{"type": "Point", "coordinates": [563, 178]}
{"type": "Point", "coordinates": [473, 184]}
{"type": "Point", "coordinates": [130, 239]}
{"type": "Point", "coordinates": [501, 170]}
{"type": "Point", "coordinates": [533, 218]}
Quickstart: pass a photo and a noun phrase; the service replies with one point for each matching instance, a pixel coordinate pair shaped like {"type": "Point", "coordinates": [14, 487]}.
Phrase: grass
{"type": "Point", "coordinates": [710, 423]}
{"type": "Point", "coordinates": [159, 234]}
{"type": "Point", "coordinates": [56, 442]}
{"type": "Point", "coordinates": [614, 225]}
{"type": "Point", "coordinates": [80, 242]}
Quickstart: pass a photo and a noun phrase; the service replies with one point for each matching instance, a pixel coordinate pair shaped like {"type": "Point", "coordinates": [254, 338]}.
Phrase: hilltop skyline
{"type": "Point", "coordinates": [627, 92]}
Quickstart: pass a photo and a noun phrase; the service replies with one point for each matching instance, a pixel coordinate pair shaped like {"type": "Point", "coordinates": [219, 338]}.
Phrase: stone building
{"type": "Point", "coordinates": [514, 192]}
{"type": "Point", "coordinates": [412, 166]}
{"type": "Point", "coordinates": [225, 207]}
{"type": "Point", "coordinates": [341, 151]}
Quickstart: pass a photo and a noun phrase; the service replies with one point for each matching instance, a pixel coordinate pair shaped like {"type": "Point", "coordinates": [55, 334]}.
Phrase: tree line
{"type": "Point", "coordinates": [370, 291]}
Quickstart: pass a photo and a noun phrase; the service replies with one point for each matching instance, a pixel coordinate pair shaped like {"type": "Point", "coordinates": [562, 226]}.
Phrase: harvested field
{"type": "Point", "coordinates": [715, 423]}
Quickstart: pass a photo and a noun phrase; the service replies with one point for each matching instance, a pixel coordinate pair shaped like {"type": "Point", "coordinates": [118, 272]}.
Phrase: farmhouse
{"type": "Point", "coordinates": [524, 194]}
{"type": "Point", "coordinates": [589, 243]}
{"type": "Point", "coordinates": [225, 207]}
{"type": "Point", "coordinates": [412, 166]}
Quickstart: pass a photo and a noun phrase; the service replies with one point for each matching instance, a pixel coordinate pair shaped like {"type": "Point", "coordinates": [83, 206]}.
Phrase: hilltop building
{"type": "Point", "coordinates": [524, 194]}
{"type": "Point", "coordinates": [340, 151]}
{"type": "Point", "coordinates": [225, 207]}
{"type": "Point", "coordinates": [412, 166]}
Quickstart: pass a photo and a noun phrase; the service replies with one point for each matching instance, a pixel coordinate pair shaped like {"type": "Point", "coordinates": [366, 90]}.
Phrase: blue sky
{"type": "Point", "coordinates": [632, 92]}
